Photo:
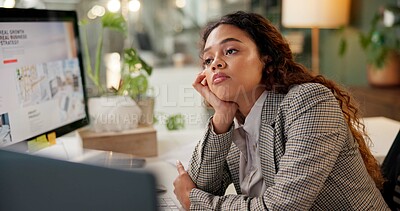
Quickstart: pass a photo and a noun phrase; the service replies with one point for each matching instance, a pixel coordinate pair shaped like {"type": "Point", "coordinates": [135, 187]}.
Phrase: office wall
{"type": "Point", "coordinates": [351, 69]}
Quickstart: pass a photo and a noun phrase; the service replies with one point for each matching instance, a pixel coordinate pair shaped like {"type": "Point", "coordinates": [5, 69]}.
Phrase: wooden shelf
{"type": "Point", "coordinates": [378, 101]}
{"type": "Point", "coordinates": [140, 142]}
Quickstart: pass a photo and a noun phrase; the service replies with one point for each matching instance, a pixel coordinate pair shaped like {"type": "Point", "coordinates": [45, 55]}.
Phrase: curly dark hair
{"type": "Point", "coordinates": [281, 72]}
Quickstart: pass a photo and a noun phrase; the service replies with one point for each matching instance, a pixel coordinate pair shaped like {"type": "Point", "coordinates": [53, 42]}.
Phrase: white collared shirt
{"type": "Point", "coordinates": [246, 138]}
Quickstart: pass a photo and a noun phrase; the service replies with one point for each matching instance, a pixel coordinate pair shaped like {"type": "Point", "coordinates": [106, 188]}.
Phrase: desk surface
{"type": "Point", "coordinates": [382, 132]}
{"type": "Point", "coordinates": [174, 145]}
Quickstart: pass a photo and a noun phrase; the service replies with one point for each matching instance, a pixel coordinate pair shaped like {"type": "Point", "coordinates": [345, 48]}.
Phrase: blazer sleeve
{"type": "Point", "coordinates": [208, 167]}
{"type": "Point", "coordinates": [315, 132]}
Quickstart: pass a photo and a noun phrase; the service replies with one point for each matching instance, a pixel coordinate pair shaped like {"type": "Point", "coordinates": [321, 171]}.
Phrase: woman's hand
{"type": "Point", "coordinates": [224, 111]}
{"type": "Point", "coordinates": [183, 185]}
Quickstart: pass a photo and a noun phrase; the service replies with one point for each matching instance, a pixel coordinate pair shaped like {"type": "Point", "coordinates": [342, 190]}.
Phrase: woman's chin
{"type": "Point", "coordinates": [223, 93]}
{"type": "Point", "coordinates": [224, 97]}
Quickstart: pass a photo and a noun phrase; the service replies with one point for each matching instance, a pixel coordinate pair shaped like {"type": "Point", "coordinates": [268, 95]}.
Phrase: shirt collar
{"type": "Point", "coordinates": [253, 119]}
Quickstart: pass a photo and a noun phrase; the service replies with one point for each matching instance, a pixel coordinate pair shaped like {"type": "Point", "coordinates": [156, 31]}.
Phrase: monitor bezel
{"type": "Point", "coordinates": [43, 15]}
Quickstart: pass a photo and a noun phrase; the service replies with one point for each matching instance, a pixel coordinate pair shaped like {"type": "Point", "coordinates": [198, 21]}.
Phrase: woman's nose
{"type": "Point", "coordinates": [218, 64]}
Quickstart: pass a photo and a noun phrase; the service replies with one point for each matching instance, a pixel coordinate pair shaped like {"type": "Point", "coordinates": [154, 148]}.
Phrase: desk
{"type": "Point", "coordinates": [174, 145]}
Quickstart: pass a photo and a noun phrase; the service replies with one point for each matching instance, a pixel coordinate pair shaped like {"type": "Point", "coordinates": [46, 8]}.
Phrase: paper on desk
{"type": "Point", "coordinates": [182, 153]}
{"type": "Point", "coordinates": [382, 132]}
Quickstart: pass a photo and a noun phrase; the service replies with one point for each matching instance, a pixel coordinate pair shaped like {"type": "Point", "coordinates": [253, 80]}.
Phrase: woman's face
{"type": "Point", "coordinates": [232, 64]}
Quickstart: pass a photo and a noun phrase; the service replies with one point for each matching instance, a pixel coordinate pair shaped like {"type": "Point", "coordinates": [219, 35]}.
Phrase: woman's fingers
{"type": "Point", "coordinates": [201, 86]}
{"type": "Point", "coordinates": [200, 81]}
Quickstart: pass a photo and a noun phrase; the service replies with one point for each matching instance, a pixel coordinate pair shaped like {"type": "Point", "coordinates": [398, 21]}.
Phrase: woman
{"type": "Point", "coordinates": [288, 140]}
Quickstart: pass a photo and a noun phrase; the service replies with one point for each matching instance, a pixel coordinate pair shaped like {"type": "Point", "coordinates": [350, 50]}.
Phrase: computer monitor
{"type": "Point", "coordinates": [42, 86]}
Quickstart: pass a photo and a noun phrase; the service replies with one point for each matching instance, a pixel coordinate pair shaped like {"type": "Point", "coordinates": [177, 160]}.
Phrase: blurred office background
{"type": "Point", "coordinates": [166, 32]}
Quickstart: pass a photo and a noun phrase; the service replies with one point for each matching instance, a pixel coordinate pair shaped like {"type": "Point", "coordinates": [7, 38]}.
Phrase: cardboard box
{"type": "Point", "coordinates": [141, 142]}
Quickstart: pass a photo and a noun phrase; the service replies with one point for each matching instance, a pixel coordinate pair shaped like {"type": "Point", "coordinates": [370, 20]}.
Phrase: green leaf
{"type": "Point", "coordinates": [175, 122]}
{"type": "Point", "coordinates": [134, 62]}
{"type": "Point", "coordinates": [114, 21]}
{"type": "Point", "coordinates": [131, 58]}
{"type": "Point", "coordinates": [146, 67]}
{"type": "Point", "coordinates": [135, 86]}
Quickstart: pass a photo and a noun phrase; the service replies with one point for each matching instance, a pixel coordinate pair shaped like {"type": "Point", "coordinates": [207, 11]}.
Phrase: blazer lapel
{"type": "Point", "coordinates": [267, 159]}
{"type": "Point", "coordinates": [267, 142]}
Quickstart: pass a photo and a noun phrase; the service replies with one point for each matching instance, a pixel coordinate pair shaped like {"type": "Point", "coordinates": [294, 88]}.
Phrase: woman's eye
{"type": "Point", "coordinates": [207, 61]}
{"type": "Point", "coordinates": [231, 51]}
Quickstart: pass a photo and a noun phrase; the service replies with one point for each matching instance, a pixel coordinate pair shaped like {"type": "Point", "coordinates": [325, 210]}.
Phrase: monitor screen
{"type": "Point", "coordinates": [41, 75]}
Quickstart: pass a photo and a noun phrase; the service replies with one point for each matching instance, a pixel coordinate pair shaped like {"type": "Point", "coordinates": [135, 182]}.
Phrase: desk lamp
{"type": "Point", "coordinates": [315, 14]}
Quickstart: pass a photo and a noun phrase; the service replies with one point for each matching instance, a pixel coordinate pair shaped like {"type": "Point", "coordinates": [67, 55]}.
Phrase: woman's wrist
{"type": "Point", "coordinates": [222, 123]}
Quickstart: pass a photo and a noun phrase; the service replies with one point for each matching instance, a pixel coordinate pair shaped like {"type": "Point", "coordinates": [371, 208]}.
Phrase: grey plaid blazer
{"type": "Point", "coordinates": [309, 160]}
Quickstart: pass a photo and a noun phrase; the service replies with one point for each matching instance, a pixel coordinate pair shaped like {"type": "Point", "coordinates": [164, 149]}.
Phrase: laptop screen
{"type": "Point", "coordinates": [41, 74]}
{"type": "Point", "coordinates": [30, 182]}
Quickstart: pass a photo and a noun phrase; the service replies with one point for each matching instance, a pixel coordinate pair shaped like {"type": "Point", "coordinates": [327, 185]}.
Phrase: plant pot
{"type": "Point", "coordinates": [113, 113]}
{"type": "Point", "coordinates": [388, 75]}
{"type": "Point", "coordinates": [146, 104]}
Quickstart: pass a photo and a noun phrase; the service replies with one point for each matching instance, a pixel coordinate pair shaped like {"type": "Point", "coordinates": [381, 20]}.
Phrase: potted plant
{"type": "Point", "coordinates": [382, 47]}
{"type": "Point", "coordinates": [133, 85]}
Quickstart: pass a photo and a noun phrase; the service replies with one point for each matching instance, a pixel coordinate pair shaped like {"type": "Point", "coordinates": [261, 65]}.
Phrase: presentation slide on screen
{"type": "Point", "coordinates": [40, 86]}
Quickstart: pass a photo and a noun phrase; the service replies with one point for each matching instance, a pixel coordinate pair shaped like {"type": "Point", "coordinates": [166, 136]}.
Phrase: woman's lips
{"type": "Point", "coordinates": [219, 78]}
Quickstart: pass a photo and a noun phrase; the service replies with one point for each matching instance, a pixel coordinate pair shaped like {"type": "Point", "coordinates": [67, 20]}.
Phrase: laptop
{"type": "Point", "coordinates": [29, 182]}
{"type": "Point", "coordinates": [391, 172]}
